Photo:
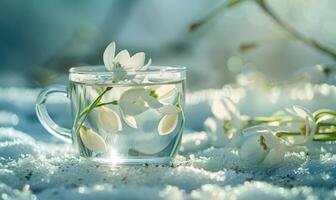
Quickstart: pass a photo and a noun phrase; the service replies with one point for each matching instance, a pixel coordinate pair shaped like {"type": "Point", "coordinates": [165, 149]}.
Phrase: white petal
{"type": "Point", "coordinates": [210, 125]}
{"type": "Point", "coordinates": [145, 67]}
{"type": "Point", "coordinates": [251, 150]}
{"type": "Point", "coordinates": [137, 61]}
{"type": "Point", "coordinates": [92, 140]}
{"type": "Point", "coordinates": [254, 130]}
{"type": "Point", "coordinates": [122, 58]}
{"type": "Point", "coordinates": [109, 119]}
{"type": "Point", "coordinates": [274, 157]}
{"type": "Point", "coordinates": [169, 109]}
{"type": "Point", "coordinates": [132, 103]}
{"type": "Point", "coordinates": [277, 150]}
{"type": "Point", "coordinates": [151, 101]}
{"type": "Point", "coordinates": [310, 129]}
{"type": "Point", "coordinates": [165, 91]}
{"type": "Point", "coordinates": [231, 107]}
{"type": "Point", "coordinates": [130, 121]}
{"type": "Point", "coordinates": [302, 112]}
{"type": "Point", "coordinates": [214, 128]}
{"type": "Point", "coordinates": [271, 140]}
{"type": "Point", "coordinates": [108, 55]}
{"type": "Point", "coordinates": [219, 110]}
{"type": "Point", "coordinates": [167, 124]}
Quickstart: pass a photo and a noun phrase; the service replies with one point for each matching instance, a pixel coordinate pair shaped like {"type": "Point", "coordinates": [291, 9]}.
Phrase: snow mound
{"type": "Point", "coordinates": [34, 165]}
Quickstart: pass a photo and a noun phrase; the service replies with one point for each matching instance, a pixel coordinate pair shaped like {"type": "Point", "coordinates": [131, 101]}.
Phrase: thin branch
{"type": "Point", "coordinates": [262, 4]}
{"type": "Point", "coordinates": [213, 13]}
{"type": "Point", "coordinates": [294, 33]}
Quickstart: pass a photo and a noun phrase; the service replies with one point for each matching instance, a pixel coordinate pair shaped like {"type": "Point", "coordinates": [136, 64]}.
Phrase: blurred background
{"type": "Point", "coordinates": [41, 40]}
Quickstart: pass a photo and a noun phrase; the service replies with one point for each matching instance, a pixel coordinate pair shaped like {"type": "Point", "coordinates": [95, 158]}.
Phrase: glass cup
{"type": "Point", "coordinates": [134, 121]}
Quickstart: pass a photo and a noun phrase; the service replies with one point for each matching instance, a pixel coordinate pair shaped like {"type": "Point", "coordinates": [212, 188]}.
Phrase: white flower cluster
{"type": "Point", "coordinates": [259, 144]}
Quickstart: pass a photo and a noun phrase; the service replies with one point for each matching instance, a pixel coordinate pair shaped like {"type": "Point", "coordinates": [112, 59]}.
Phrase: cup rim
{"type": "Point", "coordinates": [101, 70]}
{"type": "Point", "coordinates": [99, 75]}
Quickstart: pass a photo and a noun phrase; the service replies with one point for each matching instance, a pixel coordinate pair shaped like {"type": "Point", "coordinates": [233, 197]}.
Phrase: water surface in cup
{"type": "Point", "coordinates": [146, 134]}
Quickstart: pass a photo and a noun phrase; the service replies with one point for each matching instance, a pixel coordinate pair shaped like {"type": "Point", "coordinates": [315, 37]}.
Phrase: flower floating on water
{"type": "Point", "coordinates": [92, 140]}
{"type": "Point", "coordinates": [261, 146]}
{"type": "Point", "coordinates": [122, 63]}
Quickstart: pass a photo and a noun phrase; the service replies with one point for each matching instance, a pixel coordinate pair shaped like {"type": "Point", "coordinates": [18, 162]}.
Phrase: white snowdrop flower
{"type": "Point", "coordinates": [141, 99]}
{"type": "Point", "coordinates": [218, 136]}
{"type": "Point", "coordinates": [214, 128]}
{"type": "Point", "coordinates": [307, 123]}
{"type": "Point", "coordinates": [92, 140]}
{"type": "Point", "coordinates": [225, 110]}
{"type": "Point", "coordinates": [168, 124]}
{"type": "Point", "coordinates": [109, 120]}
{"type": "Point", "coordinates": [131, 102]}
{"type": "Point", "coordinates": [151, 98]}
{"type": "Point", "coordinates": [154, 96]}
{"type": "Point", "coordinates": [260, 146]}
{"type": "Point", "coordinates": [122, 63]}
{"type": "Point", "coordinates": [165, 91]}
{"type": "Point", "coordinates": [137, 100]}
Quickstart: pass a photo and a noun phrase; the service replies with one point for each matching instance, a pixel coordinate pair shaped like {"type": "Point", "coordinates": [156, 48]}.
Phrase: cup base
{"type": "Point", "coordinates": [132, 161]}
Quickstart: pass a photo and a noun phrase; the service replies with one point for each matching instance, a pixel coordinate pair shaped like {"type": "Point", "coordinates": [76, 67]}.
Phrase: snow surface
{"type": "Point", "coordinates": [35, 165]}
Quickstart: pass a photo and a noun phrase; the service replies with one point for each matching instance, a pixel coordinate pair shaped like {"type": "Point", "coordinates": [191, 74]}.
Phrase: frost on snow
{"type": "Point", "coordinates": [34, 165]}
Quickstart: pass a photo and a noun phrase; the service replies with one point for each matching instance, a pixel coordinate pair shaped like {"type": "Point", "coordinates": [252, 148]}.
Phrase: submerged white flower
{"type": "Point", "coordinates": [260, 146]}
{"type": "Point", "coordinates": [108, 119]}
{"type": "Point", "coordinates": [168, 124]}
{"type": "Point", "coordinates": [137, 100]}
{"type": "Point", "coordinates": [132, 103]}
{"type": "Point", "coordinates": [92, 140]}
{"type": "Point", "coordinates": [308, 126]}
{"type": "Point", "coordinates": [122, 63]}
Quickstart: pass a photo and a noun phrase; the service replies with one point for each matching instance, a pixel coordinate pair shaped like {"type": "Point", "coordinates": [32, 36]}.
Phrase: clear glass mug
{"type": "Point", "coordinates": [136, 121]}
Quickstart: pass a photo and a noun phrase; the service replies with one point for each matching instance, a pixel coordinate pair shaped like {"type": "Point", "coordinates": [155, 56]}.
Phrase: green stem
{"type": "Point", "coordinates": [286, 133]}
{"type": "Point", "coordinates": [213, 13]}
{"type": "Point", "coordinates": [318, 114]}
{"type": "Point", "coordinates": [325, 124]}
{"type": "Point", "coordinates": [324, 138]}
{"type": "Point", "coordinates": [84, 114]}
{"type": "Point", "coordinates": [115, 102]}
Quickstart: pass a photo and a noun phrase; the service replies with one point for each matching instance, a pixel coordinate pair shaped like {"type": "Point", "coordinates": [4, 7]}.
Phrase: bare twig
{"type": "Point", "coordinates": [263, 5]}
{"type": "Point", "coordinates": [310, 42]}
{"type": "Point", "coordinates": [213, 13]}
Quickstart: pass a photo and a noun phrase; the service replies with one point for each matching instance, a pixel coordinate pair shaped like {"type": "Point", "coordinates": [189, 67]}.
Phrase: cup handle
{"type": "Point", "coordinates": [45, 119]}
